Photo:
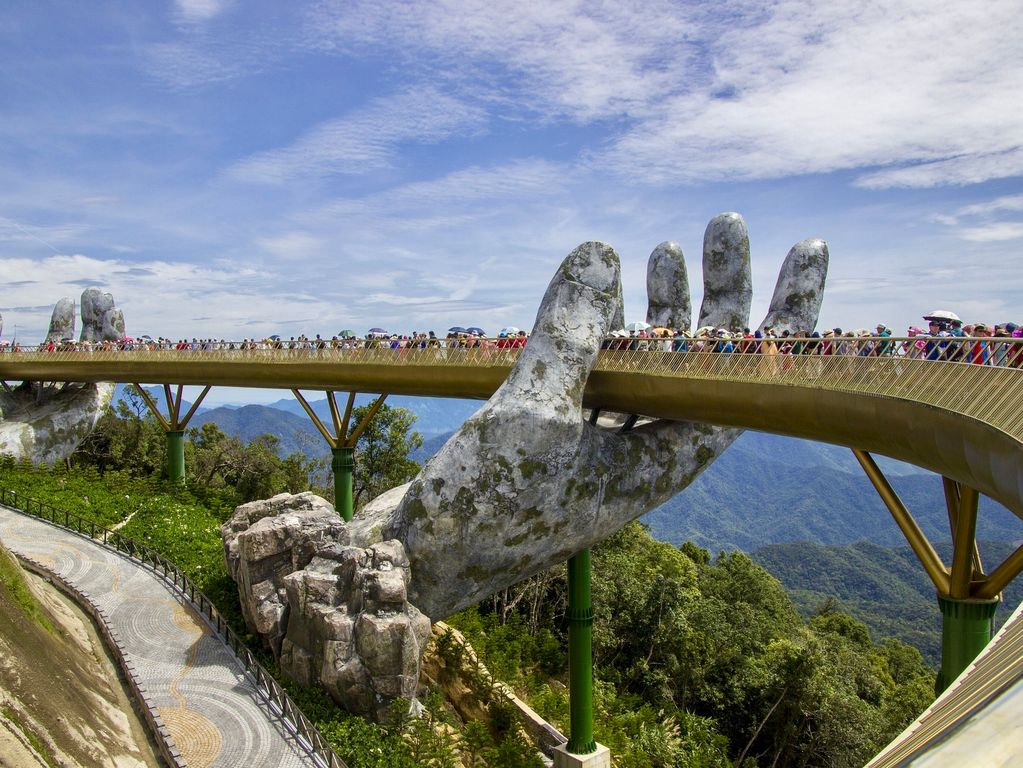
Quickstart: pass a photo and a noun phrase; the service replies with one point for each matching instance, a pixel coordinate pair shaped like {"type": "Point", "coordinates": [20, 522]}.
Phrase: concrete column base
{"type": "Point", "coordinates": [565, 759]}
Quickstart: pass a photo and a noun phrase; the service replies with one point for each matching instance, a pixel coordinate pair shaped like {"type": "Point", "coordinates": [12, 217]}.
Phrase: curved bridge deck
{"type": "Point", "coordinates": [960, 420]}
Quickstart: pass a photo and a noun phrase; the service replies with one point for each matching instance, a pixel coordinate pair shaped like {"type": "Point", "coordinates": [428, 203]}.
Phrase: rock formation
{"type": "Point", "coordinates": [332, 613]}
{"type": "Point", "coordinates": [667, 288]}
{"type": "Point", "coordinates": [523, 485]}
{"type": "Point", "coordinates": [48, 429]}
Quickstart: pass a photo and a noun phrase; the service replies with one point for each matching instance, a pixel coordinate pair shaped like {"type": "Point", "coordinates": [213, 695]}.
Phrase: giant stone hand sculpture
{"type": "Point", "coordinates": [46, 422]}
{"type": "Point", "coordinates": [527, 481]}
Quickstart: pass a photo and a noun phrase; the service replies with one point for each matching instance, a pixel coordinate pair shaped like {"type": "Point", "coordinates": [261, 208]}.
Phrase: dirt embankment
{"type": "Point", "coordinates": [62, 702]}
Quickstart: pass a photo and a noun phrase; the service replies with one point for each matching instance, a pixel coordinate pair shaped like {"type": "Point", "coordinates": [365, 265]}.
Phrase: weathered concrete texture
{"type": "Point", "coordinates": [101, 320]}
{"type": "Point", "coordinates": [797, 296]}
{"type": "Point", "coordinates": [46, 425]}
{"type": "Point", "coordinates": [667, 288]}
{"type": "Point", "coordinates": [527, 482]}
{"type": "Point", "coordinates": [332, 614]}
{"type": "Point", "coordinates": [727, 281]}
{"type": "Point", "coordinates": [62, 321]}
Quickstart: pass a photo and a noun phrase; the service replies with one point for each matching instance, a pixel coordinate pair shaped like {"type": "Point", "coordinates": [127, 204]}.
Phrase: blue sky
{"type": "Point", "coordinates": [235, 169]}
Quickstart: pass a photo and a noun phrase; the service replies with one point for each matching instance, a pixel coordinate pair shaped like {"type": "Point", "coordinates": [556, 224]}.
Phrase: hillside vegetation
{"type": "Point", "coordinates": [884, 587]}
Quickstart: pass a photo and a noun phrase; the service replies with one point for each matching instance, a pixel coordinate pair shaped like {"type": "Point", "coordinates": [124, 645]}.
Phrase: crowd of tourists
{"type": "Point", "coordinates": [945, 337]}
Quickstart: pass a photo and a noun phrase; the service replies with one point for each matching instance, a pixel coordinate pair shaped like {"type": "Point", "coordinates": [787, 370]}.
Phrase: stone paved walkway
{"type": "Point", "coordinates": [213, 713]}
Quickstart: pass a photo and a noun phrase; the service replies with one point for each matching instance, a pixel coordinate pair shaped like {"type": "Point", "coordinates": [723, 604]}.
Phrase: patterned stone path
{"type": "Point", "coordinates": [199, 690]}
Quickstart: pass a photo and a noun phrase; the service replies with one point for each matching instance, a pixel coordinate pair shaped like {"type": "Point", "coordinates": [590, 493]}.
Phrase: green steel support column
{"type": "Point", "coordinates": [176, 456]}
{"type": "Point", "coordinates": [580, 656]}
{"type": "Point", "coordinates": [966, 627]}
{"type": "Point", "coordinates": [343, 465]}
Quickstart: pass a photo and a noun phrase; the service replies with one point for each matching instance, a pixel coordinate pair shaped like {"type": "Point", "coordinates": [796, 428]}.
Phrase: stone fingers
{"type": "Point", "coordinates": [727, 281]}
{"type": "Point", "coordinates": [101, 320]}
{"type": "Point", "coordinates": [62, 321]}
{"type": "Point", "coordinates": [799, 292]}
{"type": "Point", "coordinates": [667, 288]}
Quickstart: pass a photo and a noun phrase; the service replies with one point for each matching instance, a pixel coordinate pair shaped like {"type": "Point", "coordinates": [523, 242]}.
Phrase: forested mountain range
{"type": "Point", "coordinates": [884, 587]}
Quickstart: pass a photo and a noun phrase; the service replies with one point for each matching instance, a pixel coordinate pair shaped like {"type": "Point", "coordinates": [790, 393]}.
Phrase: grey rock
{"type": "Point", "coordinates": [798, 293]}
{"type": "Point", "coordinates": [46, 424]}
{"type": "Point", "coordinates": [727, 281]}
{"type": "Point", "coordinates": [333, 614]}
{"type": "Point", "coordinates": [62, 321]}
{"type": "Point", "coordinates": [113, 326]}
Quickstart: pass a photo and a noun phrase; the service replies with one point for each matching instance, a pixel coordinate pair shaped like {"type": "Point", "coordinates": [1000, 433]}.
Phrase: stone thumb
{"type": "Point", "coordinates": [574, 318]}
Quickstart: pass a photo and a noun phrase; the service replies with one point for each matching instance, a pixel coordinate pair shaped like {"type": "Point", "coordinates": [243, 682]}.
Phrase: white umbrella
{"type": "Point", "coordinates": [943, 314]}
{"type": "Point", "coordinates": [638, 326]}
{"type": "Point", "coordinates": [511, 330]}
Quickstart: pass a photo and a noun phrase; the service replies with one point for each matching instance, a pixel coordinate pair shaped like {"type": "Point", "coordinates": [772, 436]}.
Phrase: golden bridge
{"type": "Point", "coordinates": [962, 420]}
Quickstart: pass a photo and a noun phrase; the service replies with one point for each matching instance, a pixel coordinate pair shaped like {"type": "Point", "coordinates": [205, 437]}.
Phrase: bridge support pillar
{"type": "Point", "coordinates": [173, 426]}
{"type": "Point", "coordinates": [580, 656]}
{"type": "Point", "coordinates": [343, 466]}
{"type": "Point", "coordinates": [966, 628]}
{"type": "Point", "coordinates": [176, 456]}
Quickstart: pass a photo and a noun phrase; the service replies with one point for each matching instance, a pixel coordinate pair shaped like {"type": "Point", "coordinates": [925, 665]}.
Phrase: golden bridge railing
{"type": "Point", "coordinates": [885, 367]}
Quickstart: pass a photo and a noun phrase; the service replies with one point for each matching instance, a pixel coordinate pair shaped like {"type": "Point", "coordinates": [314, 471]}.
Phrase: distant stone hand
{"type": "Point", "coordinates": [46, 422]}
{"type": "Point", "coordinates": [527, 481]}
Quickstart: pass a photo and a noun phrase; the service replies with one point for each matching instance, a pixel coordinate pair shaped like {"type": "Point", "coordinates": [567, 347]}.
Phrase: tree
{"type": "Point", "coordinates": [126, 437]}
{"type": "Point", "coordinates": [254, 471]}
{"type": "Point", "coordinates": [382, 452]}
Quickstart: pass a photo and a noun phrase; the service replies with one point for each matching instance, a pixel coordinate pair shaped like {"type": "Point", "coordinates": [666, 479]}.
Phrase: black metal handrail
{"type": "Point", "coordinates": [269, 689]}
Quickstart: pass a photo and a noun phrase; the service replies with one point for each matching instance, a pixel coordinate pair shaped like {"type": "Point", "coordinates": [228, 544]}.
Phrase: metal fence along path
{"type": "Point", "coordinates": [208, 701]}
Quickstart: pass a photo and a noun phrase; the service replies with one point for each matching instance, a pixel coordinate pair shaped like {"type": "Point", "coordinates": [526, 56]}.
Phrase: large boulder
{"type": "Point", "coordinates": [333, 614]}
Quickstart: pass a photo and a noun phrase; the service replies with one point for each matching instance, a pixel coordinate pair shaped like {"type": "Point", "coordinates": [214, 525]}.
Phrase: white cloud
{"type": "Point", "coordinates": [971, 168]}
{"type": "Point", "coordinates": [366, 140]}
{"type": "Point", "coordinates": [578, 59]}
{"type": "Point", "coordinates": [990, 221]}
{"type": "Point", "coordinates": [774, 89]}
{"type": "Point", "coordinates": [292, 246]}
{"type": "Point", "coordinates": [200, 10]}
{"type": "Point", "coordinates": [157, 297]}
{"type": "Point", "coordinates": [818, 87]}
{"type": "Point", "coordinates": [995, 232]}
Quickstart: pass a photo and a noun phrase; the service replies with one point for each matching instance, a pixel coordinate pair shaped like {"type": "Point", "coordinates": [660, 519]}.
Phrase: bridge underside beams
{"type": "Point", "coordinates": [955, 446]}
